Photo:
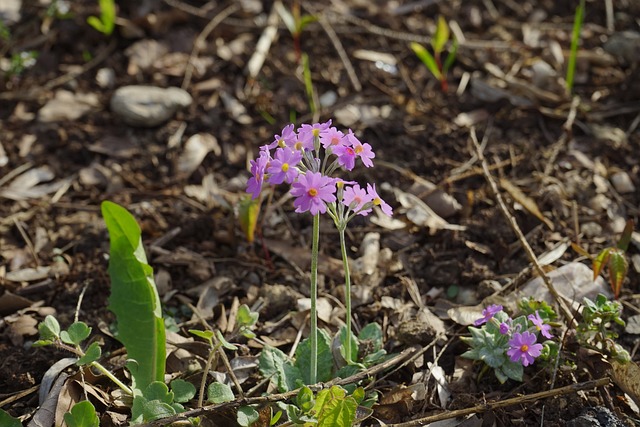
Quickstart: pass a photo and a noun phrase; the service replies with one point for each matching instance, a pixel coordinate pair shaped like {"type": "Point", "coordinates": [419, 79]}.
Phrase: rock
{"type": "Point", "coordinates": [625, 46]}
{"type": "Point", "coordinates": [148, 106]}
{"type": "Point", "coordinates": [422, 329]}
{"type": "Point", "coordinates": [573, 281]}
{"type": "Point", "coordinates": [67, 105]}
{"type": "Point", "coordinates": [591, 229]}
{"type": "Point", "coordinates": [598, 416]}
{"type": "Point", "coordinates": [622, 182]}
{"type": "Point", "coordinates": [106, 78]}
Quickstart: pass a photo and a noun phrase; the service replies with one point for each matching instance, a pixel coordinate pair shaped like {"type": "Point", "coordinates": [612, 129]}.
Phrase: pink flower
{"type": "Point", "coordinates": [488, 313]}
{"type": "Point", "coordinates": [258, 166]}
{"type": "Point", "coordinates": [377, 200]}
{"type": "Point", "coordinates": [313, 191]}
{"type": "Point", "coordinates": [524, 348]}
{"type": "Point", "coordinates": [346, 156]}
{"type": "Point", "coordinates": [361, 150]}
{"type": "Point", "coordinates": [287, 139]}
{"type": "Point", "coordinates": [504, 328]}
{"type": "Point", "coordinates": [332, 138]}
{"type": "Point", "coordinates": [307, 133]}
{"type": "Point", "coordinates": [283, 167]}
{"type": "Point", "coordinates": [540, 325]}
{"type": "Point", "coordinates": [355, 198]}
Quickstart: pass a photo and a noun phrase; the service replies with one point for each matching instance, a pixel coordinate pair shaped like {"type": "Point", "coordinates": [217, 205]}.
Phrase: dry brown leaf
{"type": "Point", "coordinates": [627, 377]}
{"type": "Point", "coordinates": [528, 203]}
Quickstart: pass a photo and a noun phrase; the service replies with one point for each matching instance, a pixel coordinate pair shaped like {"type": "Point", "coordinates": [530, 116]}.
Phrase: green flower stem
{"type": "Point", "coordinates": [112, 377]}
{"type": "Point", "coordinates": [347, 294]}
{"type": "Point", "coordinates": [313, 337]}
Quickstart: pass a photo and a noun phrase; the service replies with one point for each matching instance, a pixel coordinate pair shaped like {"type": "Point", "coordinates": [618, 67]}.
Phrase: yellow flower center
{"type": "Point", "coordinates": [524, 348]}
{"type": "Point", "coordinates": [281, 143]}
{"type": "Point", "coordinates": [358, 149]}
{"type": "Point", "coordinates": [316, 132]}
{"type": "Point", "coordinates": [298, 145]}
{"type": "Point", "coordinates": [377, 201]}
{"type": "Point", "coordinates": [312, 192]}
{"type": "Point", "coordinates": [285, 167]}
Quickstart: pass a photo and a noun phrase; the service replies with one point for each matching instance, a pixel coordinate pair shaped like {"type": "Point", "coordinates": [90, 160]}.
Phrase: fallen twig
{"type": "Point", "coordinates": [566, 312]}
{"type": "Point", "coordinates": [602, 382]}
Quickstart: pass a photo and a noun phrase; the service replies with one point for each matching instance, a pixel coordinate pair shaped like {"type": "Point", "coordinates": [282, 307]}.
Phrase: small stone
{"type": "Point", "coordinates": [591, 229]}
{"type": "Point", "coordinates": [106, 78]}
{"type": "Point", "coordinates": [67, 105]}
{"type": "Point", "coordinates": [622, 183]}
{"type": "Point", "coordinates": [625, 46]}
{"type": "Point", "coordinates": [148, 106]}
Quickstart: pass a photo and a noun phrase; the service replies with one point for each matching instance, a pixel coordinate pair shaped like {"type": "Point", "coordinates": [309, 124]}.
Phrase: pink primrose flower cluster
{"type": "Point", "coordinates": [305, 158]}
{"type": "Point", "coordinates": [523, 347]}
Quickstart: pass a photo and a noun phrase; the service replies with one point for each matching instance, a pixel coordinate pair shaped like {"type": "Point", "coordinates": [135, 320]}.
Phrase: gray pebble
{"type": "Point", "coordinates": [148, 106]}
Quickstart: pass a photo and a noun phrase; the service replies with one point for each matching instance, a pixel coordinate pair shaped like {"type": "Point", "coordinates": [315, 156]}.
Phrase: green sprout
{"type": "Point", "coordinates": [614, 258]}
{"type": "Point", "coordinates": [434, 62]}
{"type": "Point", "coordinates": [575, 38]}
{"type": "Point", "coordinates": [107, 20]}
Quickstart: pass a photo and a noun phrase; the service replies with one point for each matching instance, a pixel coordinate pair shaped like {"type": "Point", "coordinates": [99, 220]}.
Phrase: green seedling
{"type": "Point", "coordinates": [614, 258]}
{"type": "Point", "coordinates": [575, 40]}
{"type": "Point", "coordinates": [434, 62]}
{"type": "Point", "coordinates": [82, 414]}
{"type": "Point", "coordinates": [295, 23]}
{"type": "Point", "coordinates": [106, 23]}
{"type": "Point", "coordinates": [595, 330]}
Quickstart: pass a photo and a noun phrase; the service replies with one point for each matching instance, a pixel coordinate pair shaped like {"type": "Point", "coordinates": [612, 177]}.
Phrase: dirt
{"type": "Point", "coordinates": [414, 127]}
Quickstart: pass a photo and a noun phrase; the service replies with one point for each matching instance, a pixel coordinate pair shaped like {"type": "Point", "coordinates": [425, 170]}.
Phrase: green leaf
{"type": "Point", "coordinates": [441, 36]}
{"type": "Point", "coordinates": [248, 212]}
{"type": "Point", "coordinates": [205, 335]}
{"type": "Point", "coordinates": [183, 390]}
{"type": "Point", "coordinates": [92, 354]}
{"type": "Point", "coordinates": [7, 420]}
{"type": "Point", "coordinates": [427, 59]}
{"type": "Point", "coordinates": [77, 332]}
{"type": "Point", "coordinates": [219, 393]}
{"type": "Point", "coordinates": [513, 370]}
{"type": "Point", "coordinates": [575, 39]}
{"type": "Point", "coordinates": [134, 298]}
{"type": "Point", "coordinates": [107, 21]}
{"type": "Point", "coordinates": [372, 335]}
{"type": "Point", "coordinates": [158, 390]}
{"type": "Point", "coordinates": [325, 358]}
{"type": "Point", "coordinates": [273, 363]}
{"type": "Point", "coordinates": [246, 317]}
{"type": "Point", "coordinates": [224, 342]}
{"type": "Point", "coordinates": [49, 329]}
{"type": "Point", "coordinates": [600, 261]}
{"type": "Point", "coordinates": [625, 237]}
{"type": "Point", "coordinates": [305, 399]}
{"type": "Point", "coordinates": [451, 57]}
{"type": "Point", "coordinates": [334, 408]}
{"type": "Point", "coordinates": [247, 415]}
{"type": "Point", "coordinates": [343, 345]}
{"type": "Point", "coordinates": [275, 417]}
{"type": "Point", "coordinates": [83, 414]}
{"type": "Point", "coordinates": [155, 409]}
{"type": "Point", "coordinates": [618, 267]}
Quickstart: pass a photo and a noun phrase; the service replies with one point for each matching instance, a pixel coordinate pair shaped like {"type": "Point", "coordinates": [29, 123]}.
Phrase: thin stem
{"type": "Point", "coordinates": [112, 377]}
{"type": "Point", "coordinates": [313, 337]}
{"type": "Point", "coordinates": [347, 295]}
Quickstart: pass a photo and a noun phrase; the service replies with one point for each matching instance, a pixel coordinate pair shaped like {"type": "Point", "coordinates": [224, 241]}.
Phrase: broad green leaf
{"type": "Point", "coordinates": [325, 358]}
{"type": "Point", "coordinates": [343, 345]}
{"type": "Point", "coordinates": [427, 59]}
{"type": "Point", "coordinates": [513, 370]}
{"type": "Point", "coordinates": [246, 317]}
{"type": "Point", "coordinates": [7, 420]}
{"type": "Point", "coordinates": [77, 332]}
{"type": "Point", "coordinates": [441, 36]}
{"type": "Point", "coordinates": [600, 261]}
{"type": "Point", "coordinates": [625, 237]}
{"type": "Point", "coordinates": [219, 393]}
{"type": "Point", "coordinates": [83, 414]}
{"type": "Point", "coordinates": [247, 415]}
{"type": "Point", "coordinates": [272, 363]}
{"type": "Point", "coordinates": [226, 344]}
{"type": "Point", "coordinates": [158, 390]}
{"type": "Point", "coordinates": [371, 337]}
{"type": "Point", "coordinates": [49, 328]}
{"type": "Point", "coordinates": [134, 298]}
{"type": "Point", "coordinates": [92, 354]}
{"type": "Point", "coordinates": [183, 390]}
{"type": "Point", "coordinates": [618, 267]}
{"type": "Point", "coordinates": [305, 399]}
{"type": "Point", "coordinates": [248, 212]}
{"type": "Point", "coordinates": [335, 409]}
{"type": "Point", "coordinates": [155, 409]}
